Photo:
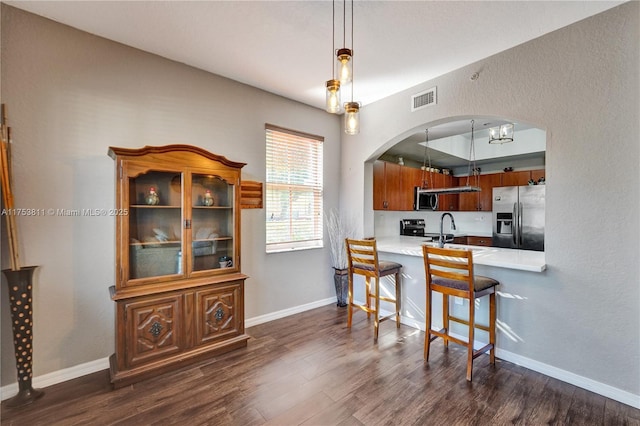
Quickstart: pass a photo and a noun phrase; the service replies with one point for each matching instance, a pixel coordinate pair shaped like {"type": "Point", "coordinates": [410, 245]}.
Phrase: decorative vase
{"type": "Point", "coordinates": [341, 280]}
{"type": "Point", "coordinates": [208, 198]}
{"type": "Point", "coordinates": [152, 198]}
{"type": "Point", "coordinates": [20, 301]}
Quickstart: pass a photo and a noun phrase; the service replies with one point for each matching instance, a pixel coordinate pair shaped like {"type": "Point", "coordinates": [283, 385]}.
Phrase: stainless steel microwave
{"type": "Point", "coordinates": [423, 200]}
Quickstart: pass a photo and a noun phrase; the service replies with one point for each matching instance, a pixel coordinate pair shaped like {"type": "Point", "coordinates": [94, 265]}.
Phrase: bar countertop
{"type": "Point", "coordinates": [525, 260]}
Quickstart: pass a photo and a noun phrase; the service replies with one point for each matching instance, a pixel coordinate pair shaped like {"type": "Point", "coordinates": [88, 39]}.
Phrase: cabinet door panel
{"type": "Point", "coordinates": [212, 229]}
{"type": "Point", "coordinates": [218, 313]}
{"type": "Point", "coordinates": [537, 174]}
{"type": "Point", "coordinates": [393, 180]}
{"type": "Point", "coordinates": [487, 183]}
{"type": "Point", "coordinates": [467, 201]}
{"type": "Point", "coordinates": [411, 177]}
{"type": "Point", "coordinates": [154, 328]}
{"type": "Point", "coordinates": [154, 226]}
{"type": "Point", "coordinates": [379, 198]}
{"type": "Point", "coordinates": [516, 178]}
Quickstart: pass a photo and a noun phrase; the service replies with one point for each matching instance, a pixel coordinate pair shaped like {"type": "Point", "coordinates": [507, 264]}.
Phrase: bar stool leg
{"type": "Point", "coordinates": [427, 339]}
{"type": "Point", "coordinates": [445, 318]}
{"type": "Point", "coordinates": [398, 299]}
{"type": "Point", "coordinates": [492, 327]}
{"type": "Point", "coordinates": [376, 320]}
{"type": "Point", "coordinates": [367, 290]}
{"type": "Point", "coordinates": [472, 326]}
{"type": "Point", "coordinates": [350, 301]}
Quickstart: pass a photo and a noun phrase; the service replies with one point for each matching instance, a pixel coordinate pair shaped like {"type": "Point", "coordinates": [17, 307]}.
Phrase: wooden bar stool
{"type": "Point", "coordinates": [363, 260]}
{"type": "Point", "coordinates": [450, 272]}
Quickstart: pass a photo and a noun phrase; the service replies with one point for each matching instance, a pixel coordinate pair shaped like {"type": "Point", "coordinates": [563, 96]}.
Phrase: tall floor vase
{"type": "Point", "coordinates": [20, 284]}
{"type": "Point", "coordinates": [341, 281]}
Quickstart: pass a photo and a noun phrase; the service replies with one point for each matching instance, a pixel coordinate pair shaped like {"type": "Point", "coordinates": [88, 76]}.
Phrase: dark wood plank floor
{"type": "Point", "coordinates": [309, 369]}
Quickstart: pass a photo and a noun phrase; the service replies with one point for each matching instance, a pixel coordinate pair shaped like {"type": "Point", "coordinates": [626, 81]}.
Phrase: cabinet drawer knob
{"type": "Point", "coordinates": [155, 329]}
{"type": "Point", "coordinates": [219, 314]}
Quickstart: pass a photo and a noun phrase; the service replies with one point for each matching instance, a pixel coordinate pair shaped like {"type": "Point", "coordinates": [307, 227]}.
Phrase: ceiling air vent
{"type": "Point", "coordinates": [423, 99]}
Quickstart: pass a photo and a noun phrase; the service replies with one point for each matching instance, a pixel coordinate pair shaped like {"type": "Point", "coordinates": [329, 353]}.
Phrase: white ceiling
{"type": "Point", "coordinates": [285, 47]}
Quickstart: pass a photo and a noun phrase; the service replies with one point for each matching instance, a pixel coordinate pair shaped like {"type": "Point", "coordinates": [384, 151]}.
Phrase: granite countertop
{"type": "Point", "coordinates": [525, 260]}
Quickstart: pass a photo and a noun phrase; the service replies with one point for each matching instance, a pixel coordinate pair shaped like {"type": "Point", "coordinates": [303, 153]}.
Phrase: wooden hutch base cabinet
{"type": "Point", "coordinates": [179, 291]}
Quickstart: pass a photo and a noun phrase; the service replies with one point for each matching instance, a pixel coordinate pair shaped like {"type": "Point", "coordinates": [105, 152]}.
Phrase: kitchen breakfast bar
{"type": "Point", "coordinates": [516, 270]}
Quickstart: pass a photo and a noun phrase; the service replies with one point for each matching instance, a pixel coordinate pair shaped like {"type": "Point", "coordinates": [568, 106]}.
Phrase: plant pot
{"type": "Point", "coordinates": [341, 280]}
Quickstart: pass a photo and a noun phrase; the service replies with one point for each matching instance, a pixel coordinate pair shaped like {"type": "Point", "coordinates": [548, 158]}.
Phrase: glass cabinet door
{"type": "Point", "coordinates": [155, 218]}
{"type": "Point", "coordinates": [212, 227]}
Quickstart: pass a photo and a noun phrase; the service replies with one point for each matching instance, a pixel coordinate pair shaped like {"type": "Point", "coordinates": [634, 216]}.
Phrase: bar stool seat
{"type": "Point", "coordinates": [450, 272]}
{"type": "Point", "coordinates": [363, 260]}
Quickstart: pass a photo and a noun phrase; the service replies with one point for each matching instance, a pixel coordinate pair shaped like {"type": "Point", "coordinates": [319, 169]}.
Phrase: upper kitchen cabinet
{"type": "Point", "coordinates": [393, 186]}
{"type": "Point", "coordinates": [516, 178]}
{"type": "Point", "coordinates": [478, 201]}
{"type": "Point", "coordinates": [537, 175]}
{"type": "Point", "coordinates": [521, 178]}
{"type": "Point", "coordinates": [446, 202]}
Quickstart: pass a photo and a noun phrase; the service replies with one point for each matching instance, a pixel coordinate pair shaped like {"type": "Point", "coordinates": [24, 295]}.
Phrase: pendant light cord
{"type": "Point", "coordinates": [427, 155]}
{"type": "Point", "coordinates": [352, 60]}
{"type": "Point", "coordinates": [472, 154]}
{"type": "Point", "coordinates": [333, 38]}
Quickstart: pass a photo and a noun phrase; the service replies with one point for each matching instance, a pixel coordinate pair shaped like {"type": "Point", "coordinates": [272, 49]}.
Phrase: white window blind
{"type": "Point", "coordinates": [293, 190]}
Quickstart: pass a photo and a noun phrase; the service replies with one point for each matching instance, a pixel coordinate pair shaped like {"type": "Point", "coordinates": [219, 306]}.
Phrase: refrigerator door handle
{"type": "Point", "coordinates": [520, 224]}
{"type": "Point", "coordinates": [515, 230]}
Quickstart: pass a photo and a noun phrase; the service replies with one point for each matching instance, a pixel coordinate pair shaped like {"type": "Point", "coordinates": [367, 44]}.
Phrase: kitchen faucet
{"type": "Point", "coordinates": [441, 241]}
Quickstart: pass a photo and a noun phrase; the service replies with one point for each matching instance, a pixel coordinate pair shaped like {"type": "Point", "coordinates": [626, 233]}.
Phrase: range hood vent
{"type": "Point", "coordinates": [423, 99]}
{"type": "Point", "coordinates": [452, 190]}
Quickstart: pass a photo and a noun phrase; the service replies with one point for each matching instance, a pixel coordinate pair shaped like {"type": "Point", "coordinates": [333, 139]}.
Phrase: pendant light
{"type": "Point", "coordinates": [352, 118]}
{"type": "Point", "coordinates": [333, 102]}
{"type": "Point", "coordinates": [344, 63]}
{"type": "Point", "coordinates": [351, 109]}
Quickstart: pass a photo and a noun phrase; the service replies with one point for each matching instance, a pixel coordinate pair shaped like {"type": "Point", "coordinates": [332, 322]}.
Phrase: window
{"type": "Point", "coordinates": [293, 190]}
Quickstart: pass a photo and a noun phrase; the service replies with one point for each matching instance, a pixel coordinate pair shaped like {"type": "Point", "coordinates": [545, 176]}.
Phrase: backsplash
{"type": "Point", "coordinates": [387, 223]}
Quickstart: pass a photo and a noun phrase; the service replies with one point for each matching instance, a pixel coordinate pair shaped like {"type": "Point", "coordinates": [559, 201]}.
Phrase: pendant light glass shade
{"type": "Point", "coordinates": [333, 96]}
{"type": "Point", "coordinates": [343, 65]}
{"type": "Point", "coordinates": [352, 118]}
{"type": "Point", "coordinates": [502, 134]}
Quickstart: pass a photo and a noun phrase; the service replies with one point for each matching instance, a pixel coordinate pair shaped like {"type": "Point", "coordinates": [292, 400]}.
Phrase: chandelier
{"type": "Point", "coordinates": [501, 134]}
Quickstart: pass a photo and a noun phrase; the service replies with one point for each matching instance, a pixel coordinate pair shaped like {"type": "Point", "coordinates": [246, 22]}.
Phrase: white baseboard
{"type": "Point", "coordinates": [572, 378]}
{"type": "Point", "coordinates": [548, 370]}
{"type": "Point", "coordinates": [70, 373]}
{"type": "Point", "coordinates": [287, 312]}
{"type": "Point", "coordinates": [566, 376]}
{"type": "Point", "coordinates": [59, 376]}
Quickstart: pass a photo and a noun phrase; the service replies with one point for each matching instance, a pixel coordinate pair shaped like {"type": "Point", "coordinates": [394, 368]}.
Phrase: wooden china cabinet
{"type": "Point", "coordinates": [179, 291]}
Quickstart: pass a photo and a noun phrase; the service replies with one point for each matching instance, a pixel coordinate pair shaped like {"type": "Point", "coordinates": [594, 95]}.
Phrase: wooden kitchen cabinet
{"type": "Point", "coordinates": [447, 202]}
{"type": "Point", "coordinates": [479, 241]}
{"type": "Point", "coordinates": [516, 178]}
{"type": "Point", "coordinates": [393, 186]}
{"type": "Point", "coordinates": [386, 186]}
{"type": "Point", "coordinates": [537, 174]}
{"type": "Point", "coordinates": [521, 178]}
{"type": "Point", "coordinates": [179, 292]}
{"type": "Point", "coordinates": [478, 201]}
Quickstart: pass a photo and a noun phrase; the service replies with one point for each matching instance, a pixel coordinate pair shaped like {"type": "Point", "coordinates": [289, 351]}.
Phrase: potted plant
{"type": "Point", "coordinates": [339, 229]}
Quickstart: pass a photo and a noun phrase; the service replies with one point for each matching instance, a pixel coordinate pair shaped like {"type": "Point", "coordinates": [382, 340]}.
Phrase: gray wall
{"type": "Point", "coordinates": [70, 95]}
{"type": "Point", "coordinates": [580, 84]}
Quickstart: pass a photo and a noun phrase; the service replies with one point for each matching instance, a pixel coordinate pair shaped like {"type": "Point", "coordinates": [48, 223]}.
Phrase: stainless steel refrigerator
{"type": "Point", "coordinates": [518, 217]}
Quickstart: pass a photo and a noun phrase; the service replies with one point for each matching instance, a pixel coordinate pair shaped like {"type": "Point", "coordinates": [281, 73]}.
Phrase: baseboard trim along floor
{"type": "Point", "coordinates": [566, 376]}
